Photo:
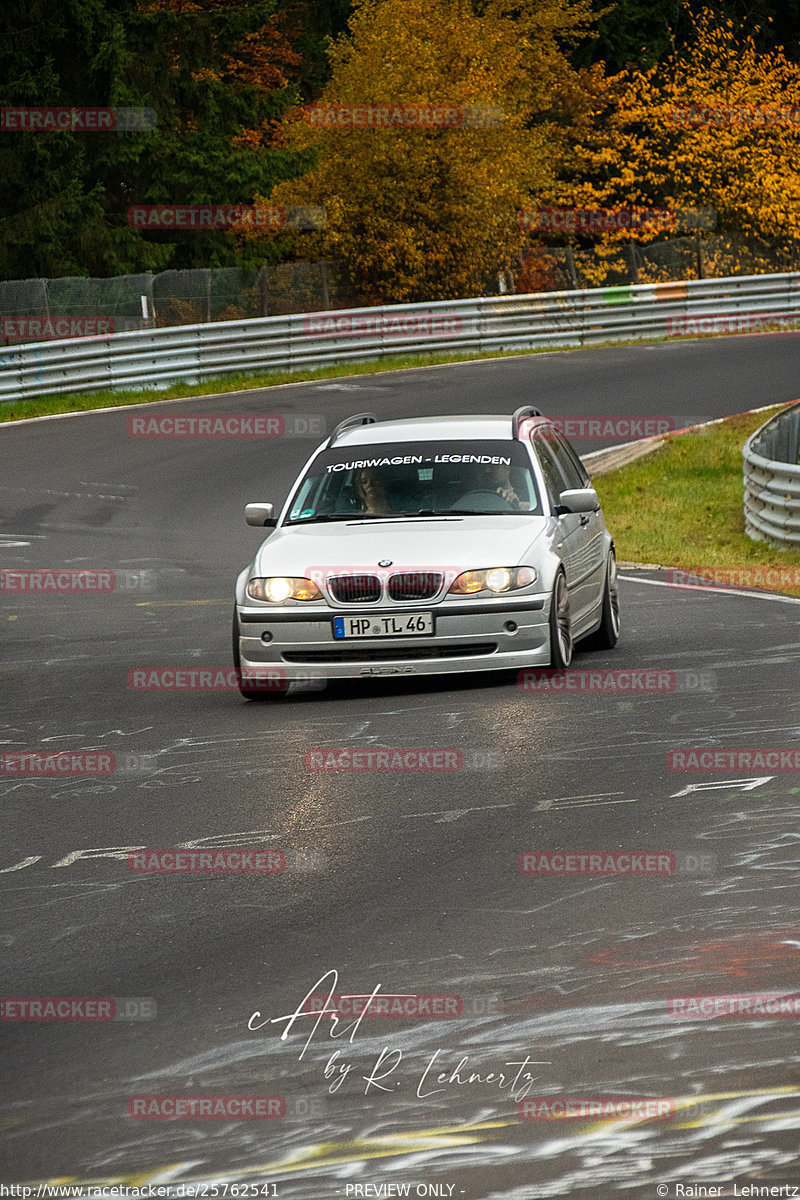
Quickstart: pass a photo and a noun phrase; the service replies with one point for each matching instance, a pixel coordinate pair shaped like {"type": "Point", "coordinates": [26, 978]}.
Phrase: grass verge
{"type": "Point", "coordinates": [682, 506]}
{"type": "Point", "coordinates": [44, 406]}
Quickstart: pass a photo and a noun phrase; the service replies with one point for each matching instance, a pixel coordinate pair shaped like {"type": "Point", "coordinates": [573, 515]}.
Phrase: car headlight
{"type": "Point", "coordinates": [280, 588]}
{"type": "Point", "coordinates": [492, 579]}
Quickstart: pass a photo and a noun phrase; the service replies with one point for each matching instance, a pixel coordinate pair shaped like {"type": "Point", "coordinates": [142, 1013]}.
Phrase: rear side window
{"type": "Point", "coordinates": [554, 476]}
{"type": "Point", "coordinates": [568, 459]}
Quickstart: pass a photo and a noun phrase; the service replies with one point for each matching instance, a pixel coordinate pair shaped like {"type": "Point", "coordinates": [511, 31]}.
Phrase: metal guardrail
{"type": "Point", "coordinates": [772, 480]}
{"type": "Point", "coordinates": [194, 353]}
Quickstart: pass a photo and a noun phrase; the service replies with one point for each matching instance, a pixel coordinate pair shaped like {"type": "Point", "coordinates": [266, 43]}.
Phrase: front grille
{"type": "Point", "coordinates": [415, 585]}
{"type": "Point", "coordinates": [355, 589]}
{"type": "Point", "coordinates": [358, 654]}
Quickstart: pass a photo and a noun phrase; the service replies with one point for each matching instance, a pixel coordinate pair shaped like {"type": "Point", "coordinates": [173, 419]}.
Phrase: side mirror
{"type": "Point", "coordinates": [260, 514]}
{"type": "Point", "coordinates": [578, 500]}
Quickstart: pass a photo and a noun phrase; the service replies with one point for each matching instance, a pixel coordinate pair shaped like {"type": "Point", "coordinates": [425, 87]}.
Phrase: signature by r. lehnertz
{"type": "Point", "coordinates": [431, 1080]}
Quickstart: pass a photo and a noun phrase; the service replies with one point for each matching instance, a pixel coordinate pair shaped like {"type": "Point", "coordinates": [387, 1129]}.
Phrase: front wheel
{"type": "Point", "coordinates": [607, 636]}
{"type": "Point", "coordinates": [560, 625]}
{"type": "Point", "coordinates": [271, 690]}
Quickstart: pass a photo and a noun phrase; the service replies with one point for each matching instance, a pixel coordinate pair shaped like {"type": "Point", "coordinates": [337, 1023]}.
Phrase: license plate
{"type": "Point", "coordinates": [396, 625]}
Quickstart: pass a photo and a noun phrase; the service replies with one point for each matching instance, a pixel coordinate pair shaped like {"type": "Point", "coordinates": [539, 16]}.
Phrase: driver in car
{"type": "Point", "coordinates": [496, 477]}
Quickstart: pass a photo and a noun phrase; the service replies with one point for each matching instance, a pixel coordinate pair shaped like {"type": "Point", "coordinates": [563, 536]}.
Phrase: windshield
{"type": "Point", "coordinates": [416, 479]}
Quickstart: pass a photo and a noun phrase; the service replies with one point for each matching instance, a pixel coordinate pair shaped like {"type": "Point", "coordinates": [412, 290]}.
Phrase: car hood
{"type": "Point", "coordinates": [424, 542]}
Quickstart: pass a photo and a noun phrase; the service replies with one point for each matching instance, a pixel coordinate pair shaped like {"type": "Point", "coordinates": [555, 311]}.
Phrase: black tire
{"type": "Point", "coordinates": [270, 693]}
{"type": "Point", "coordinates": [607, 636]}
{"type": "Point", "coordinates": [560, 625]}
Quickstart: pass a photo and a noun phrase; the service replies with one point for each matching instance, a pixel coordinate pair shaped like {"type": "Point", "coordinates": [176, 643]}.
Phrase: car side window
{"type": "Point", "coordinates": [568, 460]}
{"type": "Point", "coordinates": [554, 477]}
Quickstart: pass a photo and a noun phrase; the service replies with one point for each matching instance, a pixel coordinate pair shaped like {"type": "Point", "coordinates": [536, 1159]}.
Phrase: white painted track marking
{"type": "Point", "coordinates": [720, 591]}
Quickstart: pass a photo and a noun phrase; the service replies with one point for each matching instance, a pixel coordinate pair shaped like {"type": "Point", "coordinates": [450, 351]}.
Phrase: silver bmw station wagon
{"type": "Point", "coordinates": [427, 546]}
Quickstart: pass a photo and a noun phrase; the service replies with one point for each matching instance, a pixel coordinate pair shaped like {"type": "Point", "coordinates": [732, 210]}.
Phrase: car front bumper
{"type": "Point", "coordinates": [469, 636]}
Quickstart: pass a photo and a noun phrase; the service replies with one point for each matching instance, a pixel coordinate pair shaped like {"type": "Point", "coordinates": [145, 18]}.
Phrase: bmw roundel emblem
{"type": "Point", "coordinates": [385, 562]}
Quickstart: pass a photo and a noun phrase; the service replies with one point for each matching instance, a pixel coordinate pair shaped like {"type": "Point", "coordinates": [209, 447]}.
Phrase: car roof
{"type": "Point", "coordinates": [423, 429]}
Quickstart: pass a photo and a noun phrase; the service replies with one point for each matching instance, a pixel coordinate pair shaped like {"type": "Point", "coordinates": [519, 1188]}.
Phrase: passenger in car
{"type": "Point", "coordinates": [371, 491]}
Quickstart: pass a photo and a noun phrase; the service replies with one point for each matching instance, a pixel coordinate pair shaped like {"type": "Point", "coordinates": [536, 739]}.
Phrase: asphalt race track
{"type": "Point", "coordinates": [407, 881]}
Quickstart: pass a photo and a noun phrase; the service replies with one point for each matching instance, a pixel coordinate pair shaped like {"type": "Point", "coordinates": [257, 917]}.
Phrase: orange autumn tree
{"type": "Point", "coordinates": [237, 46]}
{"type": "Point", "coordinates": [430, 213]}
{"type": "Point", "coordinates": [261, 58]}
{"type": "Point", "coordinates": [715, 126]}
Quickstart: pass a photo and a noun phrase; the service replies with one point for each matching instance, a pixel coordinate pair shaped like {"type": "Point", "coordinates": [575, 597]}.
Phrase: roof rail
{"type": "Point", "coordinates": [519, 416]}
{"type": "Point", "coordinates": [348, 422]}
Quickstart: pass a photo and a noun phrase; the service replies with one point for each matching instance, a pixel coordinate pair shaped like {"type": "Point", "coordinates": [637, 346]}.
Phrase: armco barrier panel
{"type": "Point", "coordinates": [194, 353]}
{"type": "Point", "coordinates": [772, 481]}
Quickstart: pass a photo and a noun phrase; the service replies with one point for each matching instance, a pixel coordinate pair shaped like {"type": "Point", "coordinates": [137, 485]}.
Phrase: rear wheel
{"type": "Point", "coordinates": [560, 625]}
{"type": "Point", "coordinates": [271, 689]}
{"type": "Point", "coordinates": [607, 636]}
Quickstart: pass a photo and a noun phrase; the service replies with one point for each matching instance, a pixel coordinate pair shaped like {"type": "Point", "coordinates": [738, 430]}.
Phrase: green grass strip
{"type": "Point", "coordinates": [43, 406]}
{"type": "Point", "coordinates": [682, 506]}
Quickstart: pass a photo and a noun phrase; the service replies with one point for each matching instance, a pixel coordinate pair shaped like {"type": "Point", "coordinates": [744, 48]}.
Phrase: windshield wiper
{"type": "Point", "coordinates": [388, 516]}
{"type": "Point", "coordinates": [460, 512]}
{"type": "Point", "coordinates": [320, 517]}
{"type": "Point", "coordinates": [426, 512]}
{"type": "Point", "coordinates": [346, 517]}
